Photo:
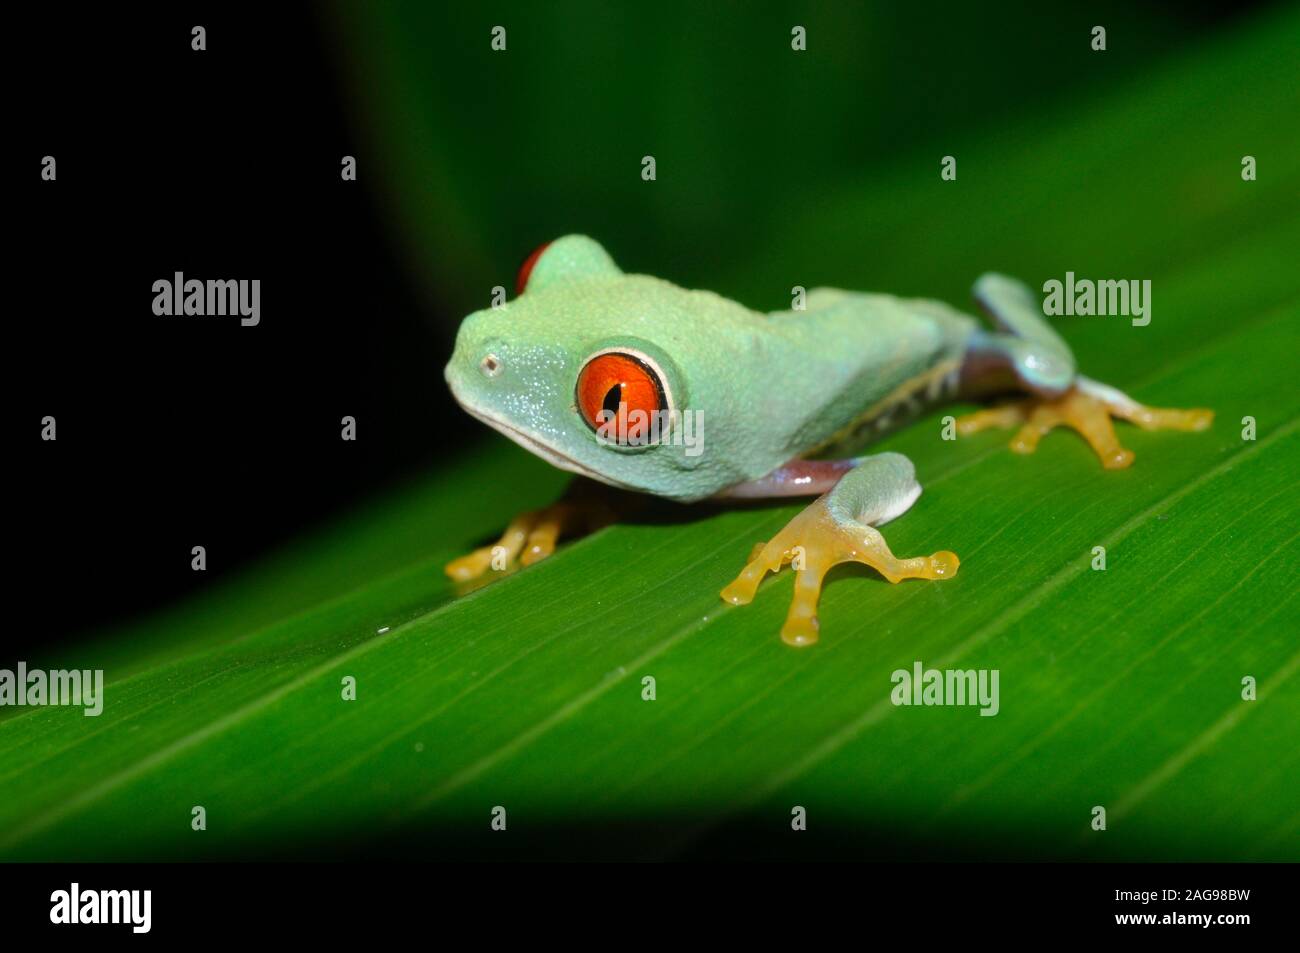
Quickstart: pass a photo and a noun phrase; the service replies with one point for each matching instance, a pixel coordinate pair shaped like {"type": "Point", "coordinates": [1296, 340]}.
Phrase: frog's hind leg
{"type": "Point", "coordinates": [839, 527]}
{"type": "Point", "coordinates": [1041, 363]}
{"type": "Point", "coordinates": [1028, 347]}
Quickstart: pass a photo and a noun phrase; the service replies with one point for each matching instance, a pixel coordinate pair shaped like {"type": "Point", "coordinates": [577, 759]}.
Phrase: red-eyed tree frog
{"type": "Point", "coordinates": [634, 382]}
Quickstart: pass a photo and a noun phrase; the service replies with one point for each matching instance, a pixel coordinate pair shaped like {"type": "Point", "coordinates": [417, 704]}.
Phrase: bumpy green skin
{"type": "Point", "coordinates": [771, 387]}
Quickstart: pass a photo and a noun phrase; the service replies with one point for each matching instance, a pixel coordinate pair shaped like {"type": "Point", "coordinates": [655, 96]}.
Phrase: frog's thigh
{"type": "Point", "coordinates": [836, 528]}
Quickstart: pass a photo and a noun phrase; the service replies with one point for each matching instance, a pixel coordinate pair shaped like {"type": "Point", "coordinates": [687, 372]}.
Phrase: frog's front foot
{"type": "Point", "coordinates": [832, 530]}
{"type": "Point", "coordinates": [530, 537]}
{"type": "Point", "coordinates": [1088, 407]}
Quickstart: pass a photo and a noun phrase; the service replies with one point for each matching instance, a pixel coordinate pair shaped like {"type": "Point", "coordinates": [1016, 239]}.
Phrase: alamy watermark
{"type": "Point", "coordinates": [83, 687]}
{"type": "Point", "coordinates": [132, 907]}
{"type": "Point", "coordinates": [182, 296]}
{"type": "Point", "coordinates": [1083, 296]}
{"type": "Point", "coordinates": [932, 686]}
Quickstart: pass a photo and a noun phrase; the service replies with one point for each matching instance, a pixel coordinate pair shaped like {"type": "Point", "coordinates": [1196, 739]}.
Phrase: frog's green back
{"type": "Point", "coordinates": [881, 359]}
{"type": "Point", "coordinates": [764, 388]}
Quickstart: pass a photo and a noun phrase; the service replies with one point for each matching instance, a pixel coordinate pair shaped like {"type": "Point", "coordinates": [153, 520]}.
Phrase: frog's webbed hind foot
{"type": "Point", "coordinates": [530, 537]}
{"type": "Point", "coordinates": [835, 529]}
{"type": "Point", "coordinates": [1087, 407]}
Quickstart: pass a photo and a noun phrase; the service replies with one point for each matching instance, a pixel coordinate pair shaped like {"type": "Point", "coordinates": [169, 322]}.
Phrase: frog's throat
{"type": "Point", "coordinates": [535, 446]}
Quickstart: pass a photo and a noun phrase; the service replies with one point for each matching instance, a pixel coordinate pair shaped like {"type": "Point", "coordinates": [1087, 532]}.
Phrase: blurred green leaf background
{"type": "Point", "coordinates": [775, 168]}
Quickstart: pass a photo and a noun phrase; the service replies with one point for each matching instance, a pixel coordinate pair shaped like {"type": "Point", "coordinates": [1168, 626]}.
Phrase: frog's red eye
{"type": "Point", "coordinates": [526, 268]}
{"type": "Point", "coordinates": [612, 387]}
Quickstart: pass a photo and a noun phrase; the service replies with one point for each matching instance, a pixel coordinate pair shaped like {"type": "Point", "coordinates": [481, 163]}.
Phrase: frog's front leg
{"type": "Point", "coordinates": [1040, 363]}
{"type": "Point", "coordinates": [837, 528]}
{"type": "Point", "coordinates": [532, 536]}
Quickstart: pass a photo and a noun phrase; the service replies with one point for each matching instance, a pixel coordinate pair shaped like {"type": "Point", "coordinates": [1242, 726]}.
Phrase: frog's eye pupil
{"type": "Point", "coordinates": [618, 395]}
{"type": "Point", "coordinates": [526, 269]}
{"type": "Point", "coordinates": [612, 399]}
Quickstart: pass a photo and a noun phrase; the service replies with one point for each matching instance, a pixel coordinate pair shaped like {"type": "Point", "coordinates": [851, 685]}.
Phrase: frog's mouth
{"type": "Point", "coordinates": [535, 446]}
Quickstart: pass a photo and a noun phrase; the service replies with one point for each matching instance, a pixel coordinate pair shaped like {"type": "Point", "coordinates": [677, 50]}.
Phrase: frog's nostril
{"type": "Point", "coordinates": [490, 365]}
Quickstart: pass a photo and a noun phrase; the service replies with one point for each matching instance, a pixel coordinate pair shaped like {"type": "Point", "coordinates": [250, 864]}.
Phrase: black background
{"type": "Point", "coordinates": [183, 431]}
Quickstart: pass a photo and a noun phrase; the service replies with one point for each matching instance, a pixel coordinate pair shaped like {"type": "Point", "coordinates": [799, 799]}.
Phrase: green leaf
{"type": "Point", "coordinates": [1120, 688]}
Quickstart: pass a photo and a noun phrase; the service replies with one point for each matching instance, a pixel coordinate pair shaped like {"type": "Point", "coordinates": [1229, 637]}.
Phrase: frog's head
{"type": "Point", "coordinates": [604, 374]}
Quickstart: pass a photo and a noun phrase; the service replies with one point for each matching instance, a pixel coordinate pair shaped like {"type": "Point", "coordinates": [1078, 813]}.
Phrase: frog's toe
{"type": "Point", "coordinates": [470, 566]}
{"type": "Point", "coordinates": [1165, 418]}
{"type": "Point", "coordinates": [545, 532]}
{"type": "Point", "coordinates": [765, 558]}
{"type": "Point", "coordinates": [1008, 415]}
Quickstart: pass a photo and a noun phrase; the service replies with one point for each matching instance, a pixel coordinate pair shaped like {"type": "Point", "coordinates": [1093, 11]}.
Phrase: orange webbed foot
{"type": "Point", "coordinates": [1087, 408]}
{"type": "Point", "coordinates": [812, 543]}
